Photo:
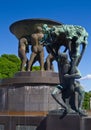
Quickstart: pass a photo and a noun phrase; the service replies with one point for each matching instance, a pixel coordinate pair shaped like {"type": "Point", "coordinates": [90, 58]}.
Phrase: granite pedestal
{"type": "Point", "coordinates": [25, 102]}
{"type": "Point", "coordinates": [86, 123]}
{"type": "Point", "coordinates": [27, 98]}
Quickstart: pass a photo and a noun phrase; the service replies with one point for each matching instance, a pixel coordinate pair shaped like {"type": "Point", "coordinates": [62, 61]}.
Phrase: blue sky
{"type": "Point", "coordinates": [68, 12]}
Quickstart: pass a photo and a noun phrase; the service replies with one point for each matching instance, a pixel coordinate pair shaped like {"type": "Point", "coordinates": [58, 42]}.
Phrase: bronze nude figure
{"type": "Point", "coordinates": [37, 49]}
{"type": "Point", "coordinates": [22, 50]}
{"type": "Point", "coordinates": [68, 87]}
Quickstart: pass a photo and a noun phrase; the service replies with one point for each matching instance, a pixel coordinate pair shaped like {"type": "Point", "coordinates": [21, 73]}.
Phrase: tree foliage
{"type": "Point", "coordinates": [9, 65]}
{"type": "Point", "coordinates": [86, 103]}
{"type": "Point", "coordinates": [35, 68]}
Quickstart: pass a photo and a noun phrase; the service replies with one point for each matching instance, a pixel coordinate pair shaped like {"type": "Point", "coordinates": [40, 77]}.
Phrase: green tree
{"type": "Point", "coordinates": [35, 68]}
{"type": "Point", "coordinates": [9, 65]}
{"type": "Point", "coordinates": [86, 103]}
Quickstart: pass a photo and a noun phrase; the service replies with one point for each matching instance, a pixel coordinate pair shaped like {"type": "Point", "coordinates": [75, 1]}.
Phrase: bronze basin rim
{"type": "Point", "coordinates": [25, 27]}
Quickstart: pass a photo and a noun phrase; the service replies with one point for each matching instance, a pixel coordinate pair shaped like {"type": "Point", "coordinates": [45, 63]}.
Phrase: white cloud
{"type": "Point", "coordinates": [86, 77]}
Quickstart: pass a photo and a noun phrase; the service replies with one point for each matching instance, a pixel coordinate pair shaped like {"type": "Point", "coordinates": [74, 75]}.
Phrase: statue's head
{"type": "Point", "coordinates": [45, 26]}
{"type": "Point", "coordinates": [64, 55]}
{"type": "Point", "coordinates": [63, 58]}
{"type": "Point", "coordinates": [38, 29]}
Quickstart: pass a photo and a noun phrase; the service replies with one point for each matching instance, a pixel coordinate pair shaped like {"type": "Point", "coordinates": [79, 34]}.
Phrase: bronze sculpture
{"type": "Point", "coordinates": [25, 29]}
{"type": "Point", "coordinates": [70, 36]}
{"type": "Point", "coordinates": [68, 87]}
{"type": "Point", "coordinates": [22, 50]}
{"type": "Point", "coordinates": [37, 48]}
{"type": "Point", "coordinates": [54, 35]}
{"type": "Point", "coordinates": [48, 65]}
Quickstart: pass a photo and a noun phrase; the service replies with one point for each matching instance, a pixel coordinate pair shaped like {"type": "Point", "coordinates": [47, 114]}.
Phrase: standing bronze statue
{"type": "Point", "coordinates": [22, 50]}
{"type": "Point", "coordinates": [37, 49]}
{"type": "Point", "coordinates": [49, 62]}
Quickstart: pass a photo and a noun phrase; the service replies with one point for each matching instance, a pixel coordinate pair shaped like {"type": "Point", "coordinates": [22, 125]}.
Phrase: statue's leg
{"type": "Point", "coordinates": [73, 64]}
{"type": "Point", "coordinates": [74, 53]}
{"type": "Point", "coordinates": [52, 67]}
{"type": "Point", "coordinates": [81, 93]}
{"type": "Point", "coordinates": [27, 65]}
{"type": "Point", "coordinates": [23, 61]}
{"type": "Point", "coordinates": [55, 94]}
{"type": "Point", "coordinates": [51, 62]}
{"type": "Point", "coordinates": [33, 55]}
{"type": "Point", "coordinates": [48, 64]}
{"type": "Point", "coordinates": [41, 60]}
{"type": "Point", "coordinates": [72, 103]}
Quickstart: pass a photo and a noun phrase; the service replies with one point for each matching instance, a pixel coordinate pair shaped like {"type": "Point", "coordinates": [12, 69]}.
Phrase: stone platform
{"type": "Point", "coordinates": [28, 92]}
{"type": "Point", "coordinates": [69, 122]}
{"type": "Point", "coordinates": [48, 122]}
{"type": "Point", "coordinates": [26, 99]}
{"type": "Point", "coordinates": [31, 78]}
{"type": "Point", "coordinates": [25, 102]}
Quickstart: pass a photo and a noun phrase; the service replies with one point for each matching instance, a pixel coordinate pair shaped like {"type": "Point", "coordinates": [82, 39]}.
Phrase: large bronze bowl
{"type": "Point", "coordinates": [26, 27]}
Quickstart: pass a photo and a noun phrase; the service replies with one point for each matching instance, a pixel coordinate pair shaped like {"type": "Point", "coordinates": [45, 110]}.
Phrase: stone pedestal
{"type": "Point", "coordinates": [31, 99]}
{"type": "Point", "coordinates": [29, 92]}
{"type": "Point", "coordinates": [86, 123]}
{"type": "Point", "coordinates": [25, 99]}
{"type": "Point", "coordinates": [69, 122]}
{"type": "Point", "coordinates": [25, 102]}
